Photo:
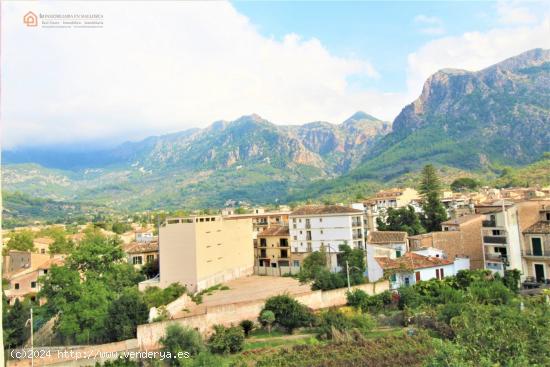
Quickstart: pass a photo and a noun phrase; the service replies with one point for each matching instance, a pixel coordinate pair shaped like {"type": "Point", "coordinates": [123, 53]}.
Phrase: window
{"type": "Point", "coordinates": [284, 254]}
{"type": "Point", "coordinates": [294, 220]}
{"type": "Point", "coordinates": [294, 226]}
{"type": "Point", "coordinates": [308, 235]}
{"type": "Point", "coordinates": [437, 274]}
{"type": "Point", "coordinates": [43, 251]}
{"type": "Point", "coordinates": [150, 258]}
{"type": "Point", "coordinates": [283, 242]}
{"type": "Point", "coordinates": [295, 238]}
{"type": "Point", "coordinates": [548, 216]}
{"type": "Point", "coordinates": [33, 284]}
{"type": "Point", "coordinates": [397, 253]}
{"type": "Point", "coordinates": [320, 219]}
{"type": "Point", "coordinates": [296, 263]}
{"type": "Point", "coordinates": [321, 231]}
{"type": "Point", "coordinates": [137, 260]}
{"type": "Point", "coordinates": [536, 246]}
{"type": "Point", "coordinates": [45, 271]}
{"type": "Point", "coordinates": [393, 278]}
{"type": "Point", "coordinates": [263, 242]}
{"type": "Point", "coordinates": [441, 273]}
{"type": "Point", "coordinates": [16, 285]}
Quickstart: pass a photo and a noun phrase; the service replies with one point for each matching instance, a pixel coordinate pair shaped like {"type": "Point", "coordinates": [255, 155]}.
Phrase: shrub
{"type": "Point", "coordinates": [156, 297]}
{"type": "Point", "coordinates": [247, 326]}
{"type": "Point", "coordinates": [179, 339]}
{"type": "Point", "coordinates": [226, 340]}
{"type": "Point", "coordinates": [325, 280]}
{"type": "Point", "coordinates": [494, 292]}
{"type": "Point", "coordinates": [288, 312]}
{"type": "Point", "coordinates": [332, 320]}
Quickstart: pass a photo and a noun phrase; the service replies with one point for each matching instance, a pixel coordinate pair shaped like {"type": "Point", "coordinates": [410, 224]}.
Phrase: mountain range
{"type": "Point", "coordinates": [465, 122]}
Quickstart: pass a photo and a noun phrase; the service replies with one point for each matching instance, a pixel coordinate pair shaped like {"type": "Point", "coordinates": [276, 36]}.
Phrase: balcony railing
{"type": "Point", "coordinates": [489, 223]}
{"type": "Point", "coordinates": [537, 254]}
{"type": "Point", "coordinates": [357, 236]}
{"type": "Point", "coordinates": [495, 239]}
{"type": "Point", "coordinates": [356, 224]}
{"type": "Point", "coordinates": [494, 257]}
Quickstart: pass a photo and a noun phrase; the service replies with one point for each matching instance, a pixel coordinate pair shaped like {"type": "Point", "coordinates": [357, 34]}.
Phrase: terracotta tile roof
{"type": "Point", "coordinates": [411, 261]}
{"type": "Point", "coordinates": [387, 236]}
{"type": "Point", "coordinates": [275, 231]}
{"type": "Point", "coordinates": [539, 227]}
{"type": "Point", "coordinates": [324, 209]}
{"type": "Point", "coordinates": [463, 219]}
{"type": "Point", "coordinates": [137, 247]}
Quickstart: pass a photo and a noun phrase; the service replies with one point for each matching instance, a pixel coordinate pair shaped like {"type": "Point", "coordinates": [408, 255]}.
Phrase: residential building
{"type": "Point", "coordinates": [201, 251]}
{"type": "Point", "coordinates": [42, 244]}
{"type": "Point", "coordinates": [141, 253]}
{"type": "Point", "coordinates": [394, 198]}
{"type": "Point", "coordinates": [273, 255]}
{"type": "Point", "coordinates": [313, 227]}
{"type": "Point", "coordinates": [23, 281]}
{"type": "Point", "coordinates": [412, 268]}
{"type": "Point", "coordinates": [395, 240]}
{"type": "Point", "coordinates": [144, 235]}
{"type": "Point", "coordinates": [459, 237]}
{"type": "Point", "coordinates": [536, 248]}
{"type": "Point", "coordinates": [262, 219]}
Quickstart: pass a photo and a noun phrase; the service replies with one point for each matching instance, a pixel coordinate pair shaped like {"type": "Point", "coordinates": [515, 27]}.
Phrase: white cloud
{"type": "Point", "coordinates": [514, 13]}
{"type": "Point", "coordinates": [164, 67]}
{"type": "Point", "coordinates": [430, 25]}
{"type": "Point", "coordinates": [175, 65]}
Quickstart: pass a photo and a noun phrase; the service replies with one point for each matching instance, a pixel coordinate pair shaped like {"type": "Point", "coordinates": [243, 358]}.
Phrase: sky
{"type": "Point", "coordinates": [161, 67]}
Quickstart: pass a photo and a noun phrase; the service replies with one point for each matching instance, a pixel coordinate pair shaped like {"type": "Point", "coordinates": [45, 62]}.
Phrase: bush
{"type": "Point", "coordinates": [495, 293]}
{"type": "Point", "coordinates": [179, 339]}
{"type": "Point", "coordinates": [326, 280]}
{"type": "Point", "coordinates": [156, 297]}
{"type": "Point", "coordinates": [247, 326]}
{"type": "Point", "coordinates": [333, 319]}
{"type": "Point", "coordinates": [288, 312]}
{"type": "Point", "coordinates": [125, 314]}
{"type": "Point", "coordinates": [226, 340]}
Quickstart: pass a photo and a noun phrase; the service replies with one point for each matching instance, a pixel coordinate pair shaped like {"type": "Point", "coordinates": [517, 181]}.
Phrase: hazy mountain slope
{"type": "Point", "coordinates": [248, 159]}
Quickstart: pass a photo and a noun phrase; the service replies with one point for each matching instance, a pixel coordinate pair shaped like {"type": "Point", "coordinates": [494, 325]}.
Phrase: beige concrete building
{"type": "Point", "coordinates": [42, 244]}
{"type": "Point", "coordinates": [202, 251]}
{"type": "Point", "coordinates": [460, 237]}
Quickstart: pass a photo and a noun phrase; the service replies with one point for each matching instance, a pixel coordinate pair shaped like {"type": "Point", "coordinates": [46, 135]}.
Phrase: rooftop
{"type": "Point", "coordinates": [411, 261]}
{"type": "Point", "coordinates": [325, 209]}
{"type": "Point", "coordinates": [463, 219]}
{"type": "Point", "coordinates": [275, 231]}
{"type": "Point", "coordinates": [387, 236]}
{"type": "Point", "coordinates": [539, 227]}
{"type": "Point", "coordinates": [140, 247]}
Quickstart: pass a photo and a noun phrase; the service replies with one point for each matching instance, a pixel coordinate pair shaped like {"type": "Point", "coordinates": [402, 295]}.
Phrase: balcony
{"type": "Point", "coordinates": [357, 236]}
{"type": "Point", "coordinates": [494, 257]}
{"type": "Point", "coordinates": [495, 239]}
{"type": "Point", "coordinates": [537, 254]}
{"type": "Point", "coordinates": [356, 224]}
{"type": "Point", "coordinates": [489, 223]}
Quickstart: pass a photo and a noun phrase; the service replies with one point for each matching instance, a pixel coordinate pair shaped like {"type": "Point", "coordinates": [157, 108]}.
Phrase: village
{"type": "Point", "coordinates": [229, 263]}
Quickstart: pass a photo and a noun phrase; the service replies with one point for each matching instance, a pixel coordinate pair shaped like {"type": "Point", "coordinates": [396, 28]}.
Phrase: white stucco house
{"type": "Point", "coordinates": [411, 267]}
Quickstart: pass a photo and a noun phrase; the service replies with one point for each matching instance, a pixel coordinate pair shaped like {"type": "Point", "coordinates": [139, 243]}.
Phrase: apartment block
{"type": "Point", "coordinates": [536, 248]}
{"type": "Point", "coordinates": [502, 232]}
{"type": "Point", "coordinates": [201, 251]}
{"type": "Point", "coordinates": [393, 198]}
{"type": "Point", "coordinates": [314, 227]}
{"type": "Point", "coordinates": [273, 255]}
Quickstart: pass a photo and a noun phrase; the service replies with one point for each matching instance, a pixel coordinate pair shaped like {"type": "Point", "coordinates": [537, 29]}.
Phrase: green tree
{"type": "Point", "coordinates": [120, 227]}
{"type": "Point", "coordinates": [289, 313]}
{"type": "Point", "coordinates": [247, 326]}
{"type": "Point", "coordinates": [179, 339]}
{"type": "Point", "coordinates": [16, 327]}
{"type": "Point", "coordinates": [355, 258]}
{"type": "Point", "coordinates": [21, 241]}
{"type": "Point", "coordinates": [267, 318]}
{"type": "Point", "coordinates": [150, 269]}
{"type": "Point", "coordinates": [433, 210]}
{"type": "Point", "coordinates": [96, 253]}
{"type": "Point", "coordinates": [125, 314]}
{"type": "Point", "coordinates": [226, 340]}
{"type": "Point", "coordinates": [312, 265]}
{"type": "Point", "coordinates": [464, 184]}
{"type": "Point", "coordinates": [403, 219]}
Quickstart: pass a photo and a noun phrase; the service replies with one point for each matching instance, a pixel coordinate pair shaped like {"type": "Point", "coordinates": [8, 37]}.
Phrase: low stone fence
{"type": "Point", "coordinates": [148, 335]}
{"type": "Point", "coordinates": [276, 272]}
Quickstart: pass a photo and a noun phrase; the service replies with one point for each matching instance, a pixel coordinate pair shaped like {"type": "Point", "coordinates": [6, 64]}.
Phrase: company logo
{"type": "Point", "coordinates": [30, 19]}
